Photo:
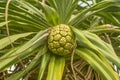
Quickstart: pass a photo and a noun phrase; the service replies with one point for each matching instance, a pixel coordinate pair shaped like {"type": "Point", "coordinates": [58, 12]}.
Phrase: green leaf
{"type": "Point", "coordinates": [56, 68]}
{"type": "Point", "coordinates": [59, 68]}
{"type": "Point", "coordinates": [105, 48]}
{"type": "Point", "coordinates": [82, 39]}
{"type": "Point", "coordinates": [51, 68]}
{"type": "Point", "coordinates": [3, 23]}
{"type": "Point", "coordinates": [32, 65]}
{"type": "Point", "coordinates": [84, 14]}
{"type": "Point", "coordinates": [95, 61]}
{"type": "Point", "coordinates": [96, 45]}
{"type": "Point", "coordinates": [23, 51]}
{"type": "Point", "coordinates": [109, 18]}
{"type": "Point", "coordinates": [64, 8]}
{"type": "Point", "coordinates": [113, 9]}
{"type": "Point", "coordinates": [8, 40]}
{"type": "Point", "coordinates": [105, 28]}
{"type": "Point", "coordinates": [45, 59]}
{"type": "Point", "coordinates": [52, 16]}
{"type": "Point", "coordinates": [26, 13]}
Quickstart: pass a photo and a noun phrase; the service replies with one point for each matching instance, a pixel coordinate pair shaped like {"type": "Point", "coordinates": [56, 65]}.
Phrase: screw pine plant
{"type": "Point", "coordinates": [45, 40]}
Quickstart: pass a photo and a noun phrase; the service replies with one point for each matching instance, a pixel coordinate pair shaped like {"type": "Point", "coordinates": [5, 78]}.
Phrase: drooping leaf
{"type": "Point", "coordinates": [32, 65]}
{"type": "Point", "coordinates": [96, 45]}
{"type": "Point", "coordinates": [23, 51]}
{"type": "Point", "coordinates": [105, 48]}
{"type": "Point", "coordinates": [24, 12]}
{"type": "Point", "coordinates": [95, 61]}
{"type": "Point", "coordinates": [82, 39]}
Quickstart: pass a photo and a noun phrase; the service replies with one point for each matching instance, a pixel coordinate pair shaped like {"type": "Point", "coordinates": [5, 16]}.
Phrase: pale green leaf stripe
{"type": "Point", "coordinates": [45, 60]}
{"type": "Point", "coordinates": [59, 68]}
{"type": "Point", "coordinates": [56, 68]}
{"type": "Point", "coordinates": [104, 28]}
{"type": "Point", "coordinates": [3, 23]}
{"type": "Point", "coordinates": [6, 41]}
{"type": "Point", "coordinates": [51, 68]}
{"type": "Point", "coordinates": [102, 68]}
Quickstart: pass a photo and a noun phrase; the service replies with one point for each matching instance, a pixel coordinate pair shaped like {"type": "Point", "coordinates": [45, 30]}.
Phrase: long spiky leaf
{"type": "Point", "coordinates": [33, 64]}
{"type": "Point", "coordinates": [44, 62]}
{"type": "Point", "coordinates": [98, 64]}
{"type": "Point", "coordinates": [5, 41]}
{"type": "Point", "coordinates": [24, 50]}
{"type": "Point", "coordinates": [103, 47]}
{"type": "Point", "coordinates": [56, 68]}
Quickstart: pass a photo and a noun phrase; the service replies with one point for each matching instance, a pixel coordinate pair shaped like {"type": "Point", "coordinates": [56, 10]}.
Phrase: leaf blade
{"type": "Point", "coordinates": [106, 72]}
{"type": "Point", "coordinates": [5, 41]}
{"type": "Point", "coordinates": [56, 68]}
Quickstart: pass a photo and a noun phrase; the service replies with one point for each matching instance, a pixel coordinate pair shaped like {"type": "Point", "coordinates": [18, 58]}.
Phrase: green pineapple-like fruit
{"type": "Point", "coordinates": [61, 40]}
